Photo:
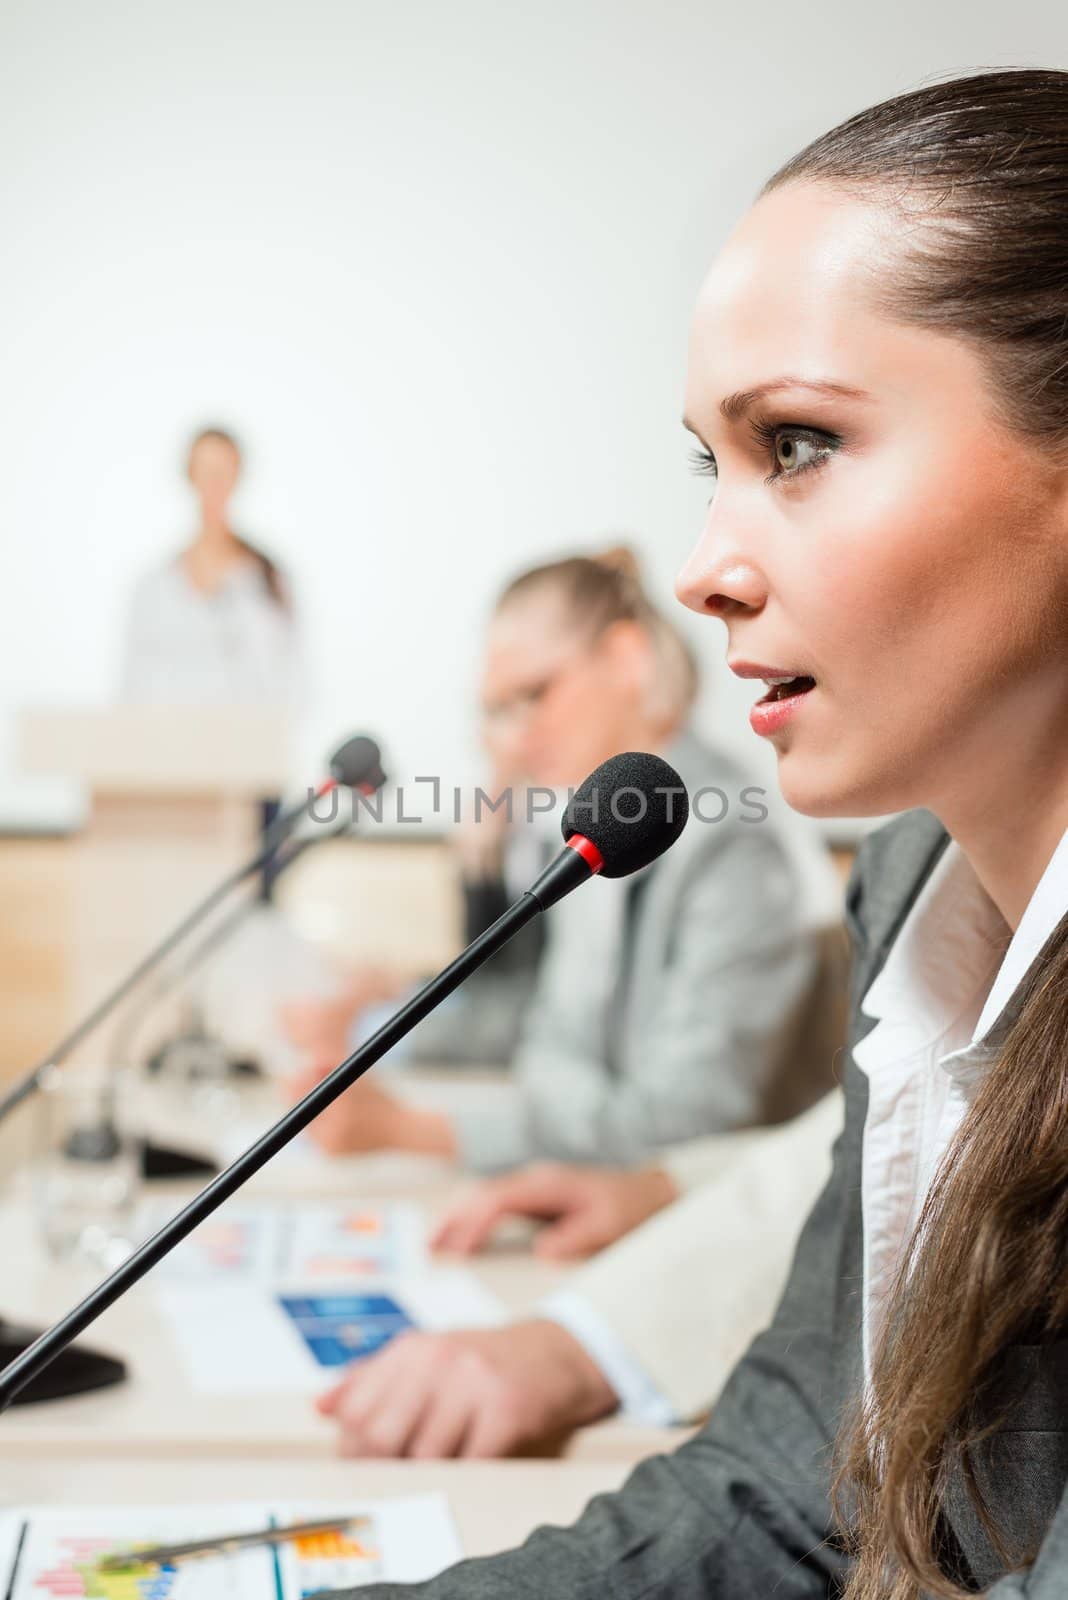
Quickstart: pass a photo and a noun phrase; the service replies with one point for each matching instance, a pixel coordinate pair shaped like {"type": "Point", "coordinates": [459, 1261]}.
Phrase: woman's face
{"type": "Point", "coordinates": [555, 705]}
{"type": "Point", "coordinates": [873, 528]}
{"type": "Point", "coordinates": [214, 468]}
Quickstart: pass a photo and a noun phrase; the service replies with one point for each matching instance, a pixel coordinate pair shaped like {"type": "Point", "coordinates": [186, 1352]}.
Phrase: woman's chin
{"type": "Point", "coordinates": [822, 788]}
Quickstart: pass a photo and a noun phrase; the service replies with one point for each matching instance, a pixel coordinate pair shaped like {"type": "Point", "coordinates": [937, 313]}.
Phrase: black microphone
{"type": "Point", "coordinates": [355, 765]}
{"type": "Point", "coordinates": [626, 814]}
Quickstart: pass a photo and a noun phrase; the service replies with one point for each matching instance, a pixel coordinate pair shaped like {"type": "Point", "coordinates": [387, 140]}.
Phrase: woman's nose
{"type": "Point", "coordinates": [720, 579]}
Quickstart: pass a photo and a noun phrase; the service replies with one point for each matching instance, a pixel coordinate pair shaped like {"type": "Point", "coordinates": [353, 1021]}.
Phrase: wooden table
{"type": "Point", "coordinates": [157, 1412]}
{"type": "Point", "coordinates": [495, 1504]}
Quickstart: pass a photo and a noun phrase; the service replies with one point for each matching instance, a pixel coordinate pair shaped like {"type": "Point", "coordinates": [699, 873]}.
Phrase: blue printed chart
{"type": "Point", "coordinates": [341, 1328]}
{"type": "Point", "coordinates": [251, 1338]}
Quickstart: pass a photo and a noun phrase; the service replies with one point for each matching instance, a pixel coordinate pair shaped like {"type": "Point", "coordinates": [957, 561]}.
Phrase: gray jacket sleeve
{"type": "Point", "coordinates": [742, 1511]}
{"type": "Point", "coordinates": [739, 1512]}
{"type": "Point", "coordinates": [1047, 1578]}
{"type": "Point", "coordinates": [702, 1051]}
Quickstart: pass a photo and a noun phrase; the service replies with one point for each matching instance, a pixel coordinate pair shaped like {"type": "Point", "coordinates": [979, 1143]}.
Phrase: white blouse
{"type": "Point", "coordinates": [945, 999]}
{"type": "Point", "coordinates": [236, 645]}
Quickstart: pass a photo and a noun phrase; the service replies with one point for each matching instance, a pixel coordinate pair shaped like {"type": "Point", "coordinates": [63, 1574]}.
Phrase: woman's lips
{"type": "Point", "coordinates": [774, 709]}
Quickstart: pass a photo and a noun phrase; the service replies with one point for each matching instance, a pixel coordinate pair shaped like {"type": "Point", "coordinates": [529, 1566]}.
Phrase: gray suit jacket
{"type": "Point", "coordinates": [742, 1511]}
{"type": "Point", "coordinates": [702, 1032]}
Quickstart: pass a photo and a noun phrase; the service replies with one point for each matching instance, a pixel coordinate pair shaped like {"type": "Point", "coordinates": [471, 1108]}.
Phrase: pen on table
{"type": "Point", "coordinates": [226, 1543]}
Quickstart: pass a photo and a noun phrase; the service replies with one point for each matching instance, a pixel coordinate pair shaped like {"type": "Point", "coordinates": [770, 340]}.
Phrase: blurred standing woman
{"type": "Point", "coordinates": [214, 623]}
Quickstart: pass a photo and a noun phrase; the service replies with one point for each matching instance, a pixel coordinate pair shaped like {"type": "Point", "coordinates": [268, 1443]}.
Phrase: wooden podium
{"type": "Point", "coordinates": [175, 803]}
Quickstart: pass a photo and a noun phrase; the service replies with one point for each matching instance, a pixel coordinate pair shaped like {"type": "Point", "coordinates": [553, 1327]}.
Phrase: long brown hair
{"type": "Point", "coordinates": [978, 168]}
{"type": "Point", "coordinates": [268, 569]}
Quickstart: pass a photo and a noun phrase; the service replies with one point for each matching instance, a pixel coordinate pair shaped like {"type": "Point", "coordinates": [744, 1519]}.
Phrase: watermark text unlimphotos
{"type": "Point", "coordinates": [407, 806]}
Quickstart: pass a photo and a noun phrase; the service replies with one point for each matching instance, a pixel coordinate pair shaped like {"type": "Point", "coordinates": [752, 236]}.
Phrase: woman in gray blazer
{"type": "Point", "coordinates": [879, 380]}
{"type": "Point", "coordinates": [668, 1005]}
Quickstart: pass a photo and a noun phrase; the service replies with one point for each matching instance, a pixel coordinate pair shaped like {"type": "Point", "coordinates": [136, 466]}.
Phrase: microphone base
{"type": "Point", "coordinates": [77, 1370]}
{"type": "Point", "coordinates": [160, 1161]}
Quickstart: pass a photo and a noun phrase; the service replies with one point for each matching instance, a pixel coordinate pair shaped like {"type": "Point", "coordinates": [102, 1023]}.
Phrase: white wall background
{"type": "Point", "coordinates": [433, 260]}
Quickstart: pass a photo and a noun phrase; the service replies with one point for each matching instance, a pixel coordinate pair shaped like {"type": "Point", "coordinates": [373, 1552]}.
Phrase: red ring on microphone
{"type": "Point", "coordinates": [587, 850]}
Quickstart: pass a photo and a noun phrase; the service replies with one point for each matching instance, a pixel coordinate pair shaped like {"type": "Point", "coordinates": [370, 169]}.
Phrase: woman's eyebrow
{"type": "Point", "coordinates": [735, 405]}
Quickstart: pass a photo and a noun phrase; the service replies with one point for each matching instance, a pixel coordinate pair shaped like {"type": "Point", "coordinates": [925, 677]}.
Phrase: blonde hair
{"type": "Point", "coordinates": [606, 587]}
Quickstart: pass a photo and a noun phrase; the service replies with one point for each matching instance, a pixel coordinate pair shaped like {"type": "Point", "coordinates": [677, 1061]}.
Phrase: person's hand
{"type": "Point", "coordinates": [320, 1027]}
{"type": "Point", "coordinates": [367, 1117]}
{"type": "Point", "coordinates": [484, 1392]}
{"type": "Point", "coordinates": [586, 1208]}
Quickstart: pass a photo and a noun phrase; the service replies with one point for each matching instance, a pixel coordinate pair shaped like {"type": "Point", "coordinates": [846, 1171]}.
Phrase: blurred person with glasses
{"type": "Point", "coordinates": [663, 1007]}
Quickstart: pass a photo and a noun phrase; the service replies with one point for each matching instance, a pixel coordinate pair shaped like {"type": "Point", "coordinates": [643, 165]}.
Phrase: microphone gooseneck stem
{"type": "Point", "coordinates": [278, 831]}
{"type": "Point", "coordinates": [569, 870]}
{"type": "Point", "coordinates": [129, 1025]}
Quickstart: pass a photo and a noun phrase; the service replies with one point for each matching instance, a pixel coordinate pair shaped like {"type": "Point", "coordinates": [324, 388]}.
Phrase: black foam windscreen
{"type": "Point", "coordinates": [632, 807]}
{"type": "Point", "coordinates": [358, 764]}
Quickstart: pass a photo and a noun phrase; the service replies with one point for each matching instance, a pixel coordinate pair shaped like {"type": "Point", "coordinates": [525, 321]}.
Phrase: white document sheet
{"type": "Point", "coordinates": [50, 1554]}
{"type": "Point", "coordinates": [272, 1242]}
{"type": "Point", "coordinates": [240, 1338]}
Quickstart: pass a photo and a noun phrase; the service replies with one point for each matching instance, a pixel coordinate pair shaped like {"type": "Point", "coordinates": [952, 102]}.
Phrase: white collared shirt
{"type": "Point", "coordinates": [945, 999]}
{"type": "Point", "coordinates": [236, 645]}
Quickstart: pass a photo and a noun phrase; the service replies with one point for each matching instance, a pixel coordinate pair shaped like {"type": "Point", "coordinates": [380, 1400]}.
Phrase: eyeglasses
{"type": "Point", "coordinates": [524, 702]}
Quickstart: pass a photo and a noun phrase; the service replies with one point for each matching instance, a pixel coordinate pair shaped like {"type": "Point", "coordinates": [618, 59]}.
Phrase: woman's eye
{"type": "Point", "coordinates": [792, 449]}
{"type": "Point", "coordinates": [796, 450]}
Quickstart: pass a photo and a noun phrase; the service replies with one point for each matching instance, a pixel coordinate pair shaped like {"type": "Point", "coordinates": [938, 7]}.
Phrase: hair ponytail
{"type": "Point", "coordinates": [272, 577]}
